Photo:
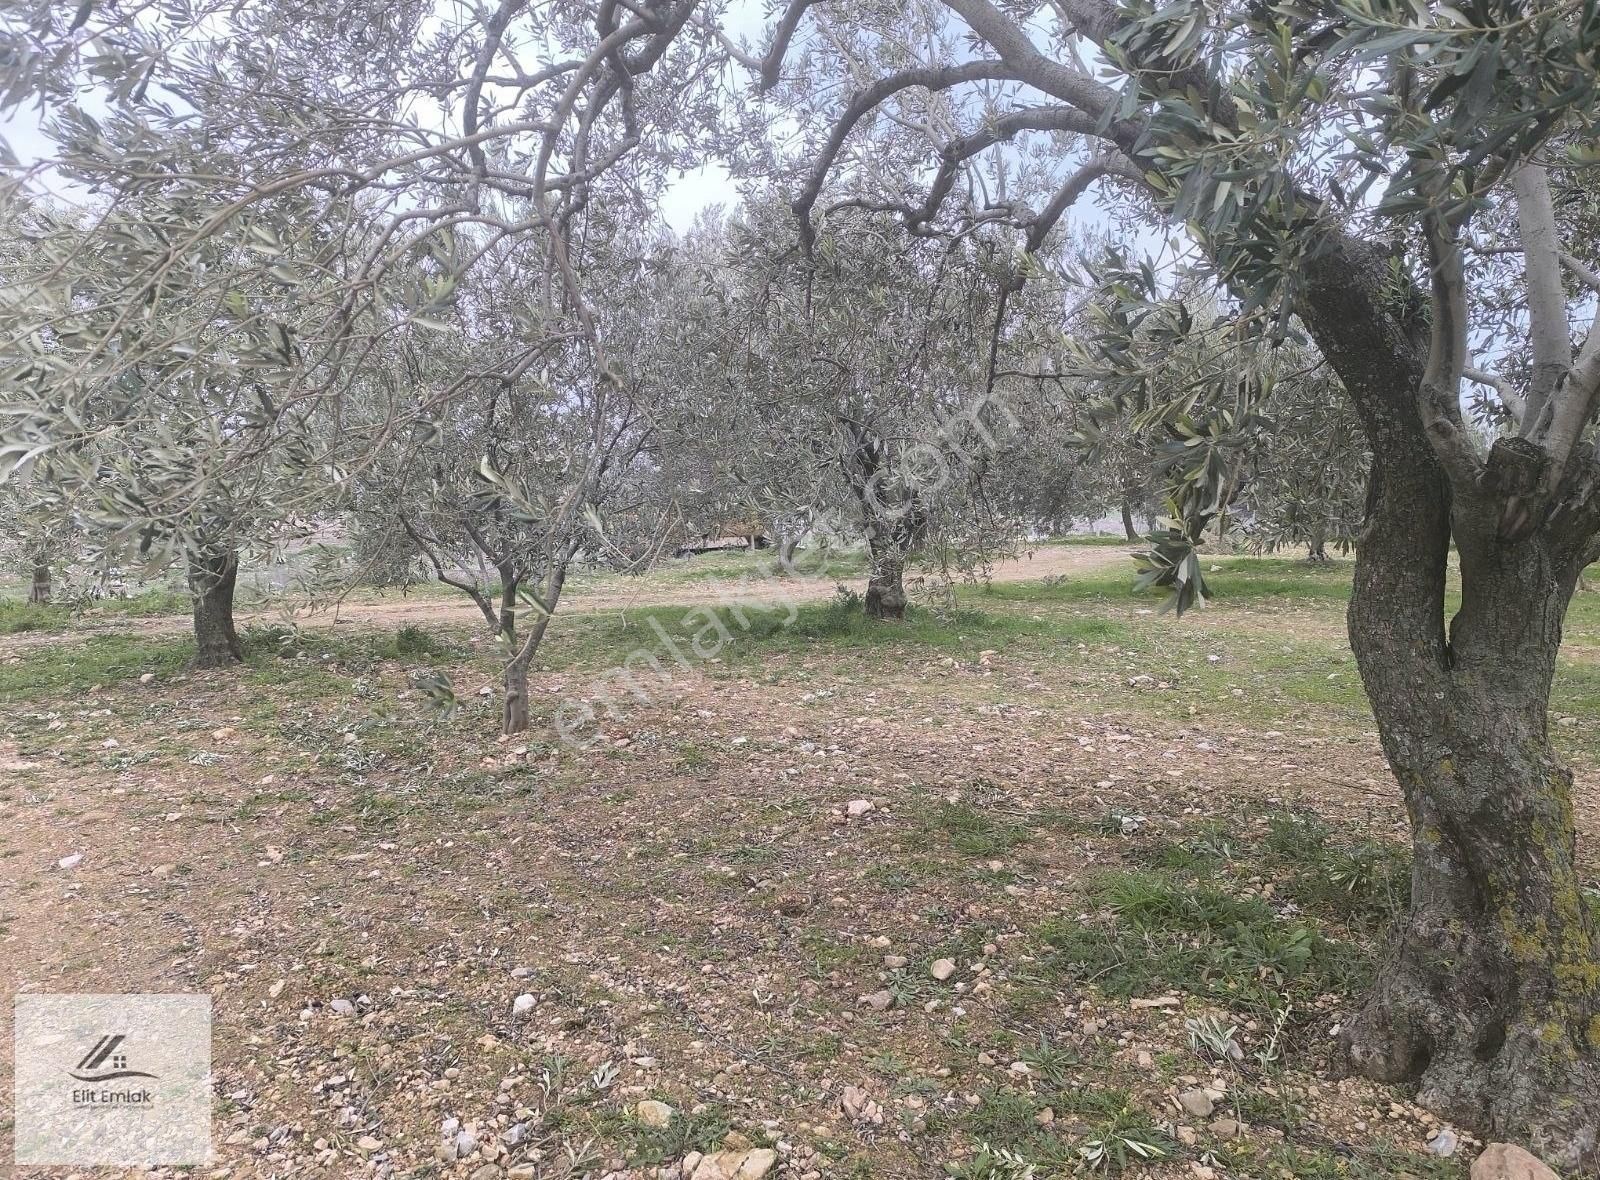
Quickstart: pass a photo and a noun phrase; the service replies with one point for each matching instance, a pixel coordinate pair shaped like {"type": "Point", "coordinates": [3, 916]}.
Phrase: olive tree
{"type": "Point", "coordinates": [872, 364]}
{"type": "Point", "coordinates": [1329, 163]}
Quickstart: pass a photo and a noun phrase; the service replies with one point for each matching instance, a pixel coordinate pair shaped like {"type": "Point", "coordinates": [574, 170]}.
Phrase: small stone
{"type": "Point", "coordinates": [895, 962]}
{"type": "Point", "coordinates": [70, 862]}
{"type": "Point", "coordinates": [1196, 1103]}
{"type": "Point", "coordinates": [1225, 1128]}
{"type": "Point", "coordinates": [466, 1143]}
{"type": "Point", "coordinates": [1045, 1117]}
{"type": "Point", "coordinates": [276, 989]}
{"type": "Point", "coordinates": [147, 678]}
{"type": "Point", "coordinates": [654, 1114]}
{"type": "Point", "coordinates": [857, 808]}
{"type": "Point", "coordinates": [1507, 1161]}
{"type": "Point", "coordinates": [342, 1007]}
{"type": "Point", "coordinates": [449, 1127]}
{"type": "Point", "coordinates": [855, 1102]}
{"type": "Point", "coordinates": [1443, 1143]}
{"type": "Point", "coordinates": [1187, 1136]}
{"type": "Point", "coordinates": [368, 1144]}
{"type": "Point", "coordinates": [487, 1172]}
{"type": "Point", "coordinates": [523, 1172]}
{"type": "Point", "coordinates": [879, 1001]}
{"type": "Point", "coordinates": [735, 1165]}
{"type": "Point", "coordinates": [522, 1005]}
{"type": "Point", "coordinates": [942, 969]}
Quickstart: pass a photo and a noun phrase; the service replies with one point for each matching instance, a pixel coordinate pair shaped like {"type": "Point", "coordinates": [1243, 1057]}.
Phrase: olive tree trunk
{"type": "Point", "coordinates": [40, 587]}
{"type": "Point", "coordinates": [212, 577]}
{"type": "Point", "coordinates": [787, 544]}
{"type": "Point", "coordinates": [505, 622]}
{"type": "Point", "coordinates": [1128, 528]}
{"type": "Point", "coordinates": [886, 592]}
{"type": "Point", "coordinates": [514, 716]}
{"type": "Point", "coordinates": [1488, 996]}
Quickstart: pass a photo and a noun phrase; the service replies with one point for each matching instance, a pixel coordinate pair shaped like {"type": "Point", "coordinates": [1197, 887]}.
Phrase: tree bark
{"type": "Point", "coordinates": [39, 588]}
{"type": "Point", "coordinates": [1127, 521]}
{"type": "Point", "coordinates": [1317, 548]}
{"type": "Point", "coordinates": [212, 577]}
{"type": "Point", "coordinates": [514, 716]}
{"type": "Point", "coordinates": [787, 543]}
{"type": "Point", "coordinates": [886, 592]}
{"type": "Point", "coordinates": [506, 624]}
{"type": "Point", "coordinates": [1488, 997]}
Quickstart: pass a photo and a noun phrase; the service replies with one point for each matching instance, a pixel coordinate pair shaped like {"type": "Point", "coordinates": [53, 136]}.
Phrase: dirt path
{"type": "Point", "coordinates": [400, 610]}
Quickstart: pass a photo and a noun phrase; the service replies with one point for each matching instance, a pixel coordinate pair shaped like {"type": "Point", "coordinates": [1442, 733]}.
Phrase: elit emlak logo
{"type": "Point", "coordinates": [106, 1062]}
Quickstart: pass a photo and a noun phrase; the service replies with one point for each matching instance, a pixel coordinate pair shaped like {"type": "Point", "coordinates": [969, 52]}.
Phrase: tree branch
{"type": "Point", "coordinates": [1547, 315]}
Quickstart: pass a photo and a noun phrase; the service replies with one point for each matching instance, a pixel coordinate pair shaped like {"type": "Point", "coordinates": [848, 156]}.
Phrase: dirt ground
{"type": "Point", "coordinates": [812, 899]}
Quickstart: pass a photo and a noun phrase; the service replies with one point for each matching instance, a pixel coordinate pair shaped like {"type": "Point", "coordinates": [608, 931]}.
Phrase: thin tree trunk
{"type": "Point", "coordinates": [510, 582]}
{"type": "Point", "coordinates": [1127, 521]}
{"type": "Point", "coordinates": [514, 716]}
{"type": "Point", "coordinates": [39, 589]}
{"type": "Point", "coordinates": [212, 577]}
{"type": "Point", "coordinates": [1317, 548]}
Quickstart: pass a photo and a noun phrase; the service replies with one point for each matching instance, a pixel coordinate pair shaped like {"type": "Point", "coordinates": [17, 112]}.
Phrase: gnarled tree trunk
{"type": "Point", "coordinates": [1488, 998]}
{"type": "Point", "coordinates": [886, 592]}
{"type": "Point", "coordinates": [212, 576]}
{"type": "Point", "coordinates": [1128, 528]}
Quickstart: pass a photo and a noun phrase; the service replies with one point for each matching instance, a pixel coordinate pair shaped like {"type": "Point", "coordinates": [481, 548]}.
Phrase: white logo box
{"type": "Point", "coordinates": [113, 1079]}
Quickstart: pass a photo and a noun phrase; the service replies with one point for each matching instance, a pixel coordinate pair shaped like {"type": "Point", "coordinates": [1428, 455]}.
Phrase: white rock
{"type": "Point", "coordinates": [1443, 1143]}
{"type": "Point", "coordinates": [942, 969]}
{"type": "Point", "coordinates": [856, 808]}
{"type": "Point", "coordinates": [654, 1114]}
{"type": "Point", "coordinates": [1506, 1161]}
{"type": "Point", "coordinates": [342, 1007]}
{"type": "Point", "coordinates": [522, 1005]}
{"type": "Point", "coordinates": [70, 862]}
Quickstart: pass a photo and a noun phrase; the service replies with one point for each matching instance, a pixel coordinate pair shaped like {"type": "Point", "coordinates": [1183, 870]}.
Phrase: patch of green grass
{"type": "Point", "coordinates": [1170, 931]}
{"type": "Point", "coordinates": [974, 832]}
{"type": "Point", "coordinates": [703, 1131]}
{"type": "Point", "coordinates": [100, 659]}
{"type": "Point", "coordinates": [17, 616]}
{"type": "Point", "coordinates": [1106, 540]}
{"type": "Point", "coordinates": [156, 600]}
{"type": "Point", "coordinates": [1364, 883]}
